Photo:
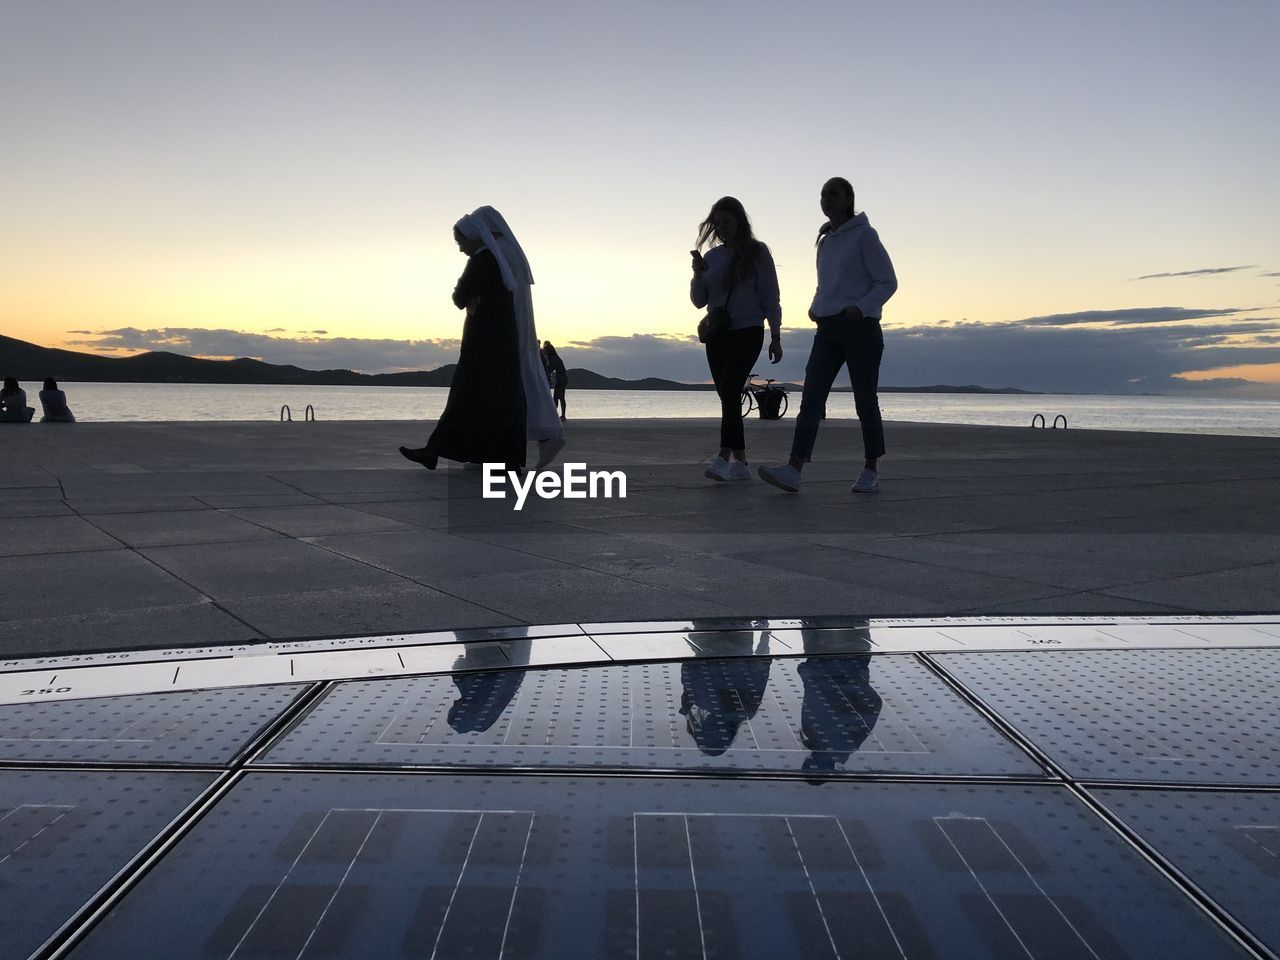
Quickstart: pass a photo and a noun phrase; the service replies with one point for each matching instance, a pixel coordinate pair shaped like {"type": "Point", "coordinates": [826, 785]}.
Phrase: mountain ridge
{"type": "Point", "coordinates": [29, 361]}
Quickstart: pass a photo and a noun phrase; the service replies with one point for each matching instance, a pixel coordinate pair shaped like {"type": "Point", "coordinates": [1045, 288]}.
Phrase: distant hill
{"type": "Point", "coordinates": [28, 361]}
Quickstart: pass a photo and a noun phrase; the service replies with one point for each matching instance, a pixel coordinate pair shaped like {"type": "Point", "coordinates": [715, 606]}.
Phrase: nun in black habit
{"type": "Point", "coordinates": [484, 418]}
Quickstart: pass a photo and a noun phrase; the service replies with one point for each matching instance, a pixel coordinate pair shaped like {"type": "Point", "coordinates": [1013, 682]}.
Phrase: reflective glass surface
{"type": "Point", "coordinates": [65, 834]}
{"type": "Point", "coordinates": [348, 865]}
{"type": "Point", "coordinates": [1195, 716]}
{"type": "Point", "coordinates": [818, 715]}
{"type": "Point", "coordinates": [1227, 843]}
{"type": "Point", "coordinates": [207, 726]}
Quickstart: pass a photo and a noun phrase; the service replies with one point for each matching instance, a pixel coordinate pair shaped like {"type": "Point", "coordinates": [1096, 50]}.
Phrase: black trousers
{"type": "Point", "coordinates": [731, 356]}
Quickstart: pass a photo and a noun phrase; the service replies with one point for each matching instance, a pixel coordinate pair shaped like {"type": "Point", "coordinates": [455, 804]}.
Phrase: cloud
{"type": "Point", "coordinates": [1133, 315]}
{"type": "Point", "coordinates": [1275, 273]}
{"type": "Point", "coordinates": [1202, 272]}
{"type": "Point", "coordinates": [1063, 359]}
{"type": "Point", "coordinates": [1097, 351]}
{"type": "Point", "coordinates": [1068, 358]}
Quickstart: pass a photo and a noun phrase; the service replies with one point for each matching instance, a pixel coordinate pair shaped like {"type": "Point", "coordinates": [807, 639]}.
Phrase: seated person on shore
{"type": "Point", "coordinates": [13, 403]}
{"type": "Point", "coordinates": [54, 402]}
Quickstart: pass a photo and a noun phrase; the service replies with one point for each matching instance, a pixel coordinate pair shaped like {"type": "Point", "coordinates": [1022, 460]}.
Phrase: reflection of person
{"type": "Point", "coordinates": [855, 278]}
{"type": "Point", "coordinates": [483, 419]}
{"type": "Point", "coordinates": [13, 403]}
{"type": "Point", "coordinates": [482, 698]}
{"type": "Point", "coordinates": [558, 376]}
{"type": "Point", "coordinates": [840, 707]}
{"type": "Point", "coordinates": [737, 275]}
{"type": "Point", "coordinates": [54, 402]}
{"type": "Point", "coordinates": [719, 696]}
{"type": "Point", "coordinates": [541, 423]}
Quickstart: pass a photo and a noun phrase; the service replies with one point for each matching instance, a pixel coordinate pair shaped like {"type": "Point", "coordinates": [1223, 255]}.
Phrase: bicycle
{"type": "Point", "coordinates": [768, 398]}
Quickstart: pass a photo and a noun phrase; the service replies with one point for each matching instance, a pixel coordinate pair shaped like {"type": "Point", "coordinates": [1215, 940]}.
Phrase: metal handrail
{"type": "Point", "coordinates": [1038, 416]}
{"type": "Point", "coordinates": [285, 410]}
{"type": "Point", "coordinates": [310, 414]}
{"type": "Point", "coordinates": [1061, 417]}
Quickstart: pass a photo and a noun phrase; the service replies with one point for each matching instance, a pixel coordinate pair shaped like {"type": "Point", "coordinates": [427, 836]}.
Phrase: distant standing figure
{"type": "Point", "coordinates": [54, 402]}
{"type": "Point", "coordinates": [483, 419]}
{"type": "Point", "coordinates": [855, 278]}
{"type": "Point", "coordinates": [737, 275]}
{"type": "Point", "coordinates": [13, 403]}
{"type": "Point", "coordinates": [559, 377]}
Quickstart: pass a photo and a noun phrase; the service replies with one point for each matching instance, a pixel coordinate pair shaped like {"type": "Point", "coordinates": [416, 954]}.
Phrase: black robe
{"type": "Point", "coordinates": [483, 419]}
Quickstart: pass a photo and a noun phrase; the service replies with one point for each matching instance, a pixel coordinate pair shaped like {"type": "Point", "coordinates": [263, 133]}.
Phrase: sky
{"type": "Point", "coordinates": [1077, 197]}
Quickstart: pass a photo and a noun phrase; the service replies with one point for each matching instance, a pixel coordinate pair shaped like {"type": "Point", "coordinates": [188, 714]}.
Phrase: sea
{"type": "Point", "coordinates": [138, 402]}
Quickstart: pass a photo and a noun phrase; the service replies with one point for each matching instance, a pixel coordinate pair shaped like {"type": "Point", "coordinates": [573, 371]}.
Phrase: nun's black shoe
{"type": "Point", "coordinates": [428, 460]}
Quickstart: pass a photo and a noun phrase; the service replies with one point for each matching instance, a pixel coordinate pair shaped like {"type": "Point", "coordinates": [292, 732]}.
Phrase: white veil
{"type": "Point", "coordinates": [490, 227]}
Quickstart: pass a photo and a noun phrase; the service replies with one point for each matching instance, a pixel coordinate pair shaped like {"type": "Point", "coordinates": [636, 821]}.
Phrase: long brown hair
{"type": "Point", "coordinates": [826, 227]}
{"type": "Point", "coordinates": [745, 246]}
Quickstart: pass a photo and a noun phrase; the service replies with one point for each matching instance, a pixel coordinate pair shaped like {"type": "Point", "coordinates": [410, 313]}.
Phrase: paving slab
{"type": "Point", "coordinates": [1250, 589]}
{"type": "Point", "coordinates": [167, 528]}
{"type": "Point", "coordinates": [34, 508]}
{"type": "Point", "coordinates": [194, 623]}
{"type": "Point", "coordinates": [428, 556]}
{"type": "Point", "coordinates": [101, 581]}
{"type": "Point", "coordinates": [262, 568]}
{"type": "Point", "coordinates": [354, 610]}
{"type": "Point", "coordinates": [40, 535]}
{"type": "Point", "coordinates": [316, 520]}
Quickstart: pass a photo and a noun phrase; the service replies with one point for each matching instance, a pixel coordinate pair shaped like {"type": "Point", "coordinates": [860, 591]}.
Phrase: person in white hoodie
{"type": "Point", "coordinates": [855, 278]}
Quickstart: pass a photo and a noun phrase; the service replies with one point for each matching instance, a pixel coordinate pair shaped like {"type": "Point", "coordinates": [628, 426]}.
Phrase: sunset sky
{"type": "Point", "coordinates": [1075, 196]}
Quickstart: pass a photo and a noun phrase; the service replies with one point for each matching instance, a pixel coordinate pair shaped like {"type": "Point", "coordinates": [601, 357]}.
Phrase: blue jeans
{"type": "Point", "coordinates": [859, 345]}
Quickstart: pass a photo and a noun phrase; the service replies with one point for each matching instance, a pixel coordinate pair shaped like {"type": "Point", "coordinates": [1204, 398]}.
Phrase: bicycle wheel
{"type": "Point", "coordinates": [782, 406]}
{"type": "Point", "coordinates": [747, 402]}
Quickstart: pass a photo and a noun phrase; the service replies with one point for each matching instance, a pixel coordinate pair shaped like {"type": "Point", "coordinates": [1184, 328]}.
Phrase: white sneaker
{"type": "Point", "coordinates": [548, 450]}
{"type": "Point", "coordinates": [868, 482]}
{"type": "Point", "coordinates": [718, 469]}
{"type": "Point", "coordinates": [739, 471]}
{"type": "Point", "coordinates": [785, 477]}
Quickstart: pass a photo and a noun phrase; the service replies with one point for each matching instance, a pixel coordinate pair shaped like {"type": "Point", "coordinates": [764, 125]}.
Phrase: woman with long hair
{"type": "Point", "coordinates": [855, 279]}
{"type": "Point", "coordinates": [54, 402]}
{"type": "Point", "coordinates": [738, 280]}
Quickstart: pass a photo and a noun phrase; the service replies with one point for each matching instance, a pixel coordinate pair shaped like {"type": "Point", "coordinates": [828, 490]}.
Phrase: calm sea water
{"type": "Point", "coordinates": [95, 402]}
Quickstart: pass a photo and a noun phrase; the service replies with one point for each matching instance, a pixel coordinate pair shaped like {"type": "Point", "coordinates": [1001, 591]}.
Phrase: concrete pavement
{"type": "Point", "coordinates": [120, 536]}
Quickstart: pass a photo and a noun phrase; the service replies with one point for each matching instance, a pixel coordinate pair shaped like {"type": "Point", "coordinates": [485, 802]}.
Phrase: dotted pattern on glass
{"type": "Point", "coordinates": [63, 835]}
{"type": "Point", "coordinates": [206, 726]}
{"type": "Point", "coordinates": [303, 865]}
{"type": "Point", "coordinates": [1199, 716]}
{"type": "Point", "coordinates": [1227, 843]}
{"type": "Point", "coordinates": [820, 715]}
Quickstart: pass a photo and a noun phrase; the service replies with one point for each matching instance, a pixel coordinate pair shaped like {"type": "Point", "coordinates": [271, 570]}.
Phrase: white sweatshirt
{"type": "Point", "coordinates": [751, 301]}
{"type": "Point", "coordinates": [853, 270]}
